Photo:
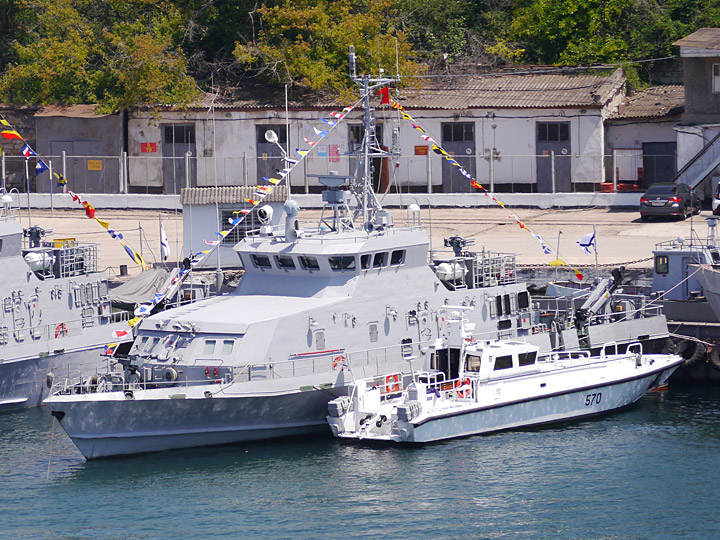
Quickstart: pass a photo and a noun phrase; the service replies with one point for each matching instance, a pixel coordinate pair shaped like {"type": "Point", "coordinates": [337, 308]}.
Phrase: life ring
{"type": "Point", "coordinates": [714, 356]}
{"type": "Point", "coordinates": [61, 330]}
{"type": "Point", "coordinates": [392, 383]}
{"type": "Point", "coordinates": [463, 387]}
{"type": "Point", "coordinates": [338, 361]}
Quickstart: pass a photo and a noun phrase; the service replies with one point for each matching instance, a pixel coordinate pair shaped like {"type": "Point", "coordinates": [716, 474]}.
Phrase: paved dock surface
{"type": "Point", "coordinates": [622, 237]}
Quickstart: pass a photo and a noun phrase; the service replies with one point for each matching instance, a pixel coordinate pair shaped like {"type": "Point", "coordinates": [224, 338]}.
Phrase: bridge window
{"type": "Point", "coordinates": [261, 261]}
{"type": "Point", "coordinates": [228, 346]}
{"type": "Point", "coordinates": [285, 261]}
{"type": "Point", "coordinates": [209, 347]}
{"type": "Point", "coordinates": [309, 263]}
{"type": "Point", "coordinates": [472, 363]}
{"type": "Point", "coordinates": [661, 264]}
{"type": "Point", "coordinates": [397, 257]}
{"type": "Point", "coordinates": [527, 358]}
{"type": "Point", "coordinates": [365, 261]}
{"type": "Point", "coordinates": [503, 362]}
{"type": "Point", "coordinates": [716, 78]}
{"type": "Point", "coordinates": [344, 262]}
{"type": "Point", "coordinates": [380, 260]}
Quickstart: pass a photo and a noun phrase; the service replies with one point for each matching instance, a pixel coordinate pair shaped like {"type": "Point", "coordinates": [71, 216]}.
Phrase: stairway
{"type": "Point", "coordinates": [701, 166]}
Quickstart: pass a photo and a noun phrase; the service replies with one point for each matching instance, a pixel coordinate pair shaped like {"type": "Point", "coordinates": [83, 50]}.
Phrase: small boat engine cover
{"type": "Point", "coordinates": [338, 407]}
{"type": "Point", "coordinates": [407, 411]}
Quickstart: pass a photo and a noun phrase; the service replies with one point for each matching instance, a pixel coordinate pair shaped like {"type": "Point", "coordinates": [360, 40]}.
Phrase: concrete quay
{"type": "Point", "coordinates": [622, 237]}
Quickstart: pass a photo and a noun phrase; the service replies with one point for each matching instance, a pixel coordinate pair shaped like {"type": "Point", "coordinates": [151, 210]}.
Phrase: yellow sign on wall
{"type": "Point", "coordinates": [94, 165]}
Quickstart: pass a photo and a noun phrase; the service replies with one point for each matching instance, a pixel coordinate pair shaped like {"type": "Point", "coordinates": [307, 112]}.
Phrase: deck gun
{"type": "Point", "coordinates": [599, 298]}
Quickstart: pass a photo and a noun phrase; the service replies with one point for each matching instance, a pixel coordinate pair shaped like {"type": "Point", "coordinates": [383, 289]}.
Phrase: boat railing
{"type": "Point", "coordinates": [311, 232]}
{"type": "Point", "coordinates": [564, 356]}
{"type": "Point", "coordinates": [49, 333]}
{"type": "Point", "coordinates": [461, 388]}
{"type": "Point", "coordinates": [626, 308]}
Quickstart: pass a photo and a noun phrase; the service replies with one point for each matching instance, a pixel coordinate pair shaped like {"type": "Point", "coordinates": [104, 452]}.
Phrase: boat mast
{"type": "Point", "coordinates": [370, 147]}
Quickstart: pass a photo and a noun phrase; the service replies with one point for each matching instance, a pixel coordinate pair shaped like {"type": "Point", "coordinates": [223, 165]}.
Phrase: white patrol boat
{"type": "Point", "coordinates": [483, 387]}
{"type": "Point", "coordinates": [263, 361]}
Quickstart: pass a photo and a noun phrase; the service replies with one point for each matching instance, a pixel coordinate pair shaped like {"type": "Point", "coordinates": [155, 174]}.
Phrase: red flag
{"type": "Point", "coordinates": [385, 93]}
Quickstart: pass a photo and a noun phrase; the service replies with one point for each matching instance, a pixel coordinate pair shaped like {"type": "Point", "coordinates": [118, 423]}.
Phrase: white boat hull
{"type": "Point", "coordinates": [552, 394]}
{"type": "Point", "coordinates": [535, 411]}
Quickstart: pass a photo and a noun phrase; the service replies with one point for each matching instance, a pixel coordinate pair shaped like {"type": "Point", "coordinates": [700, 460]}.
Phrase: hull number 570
{"type": "Point", "coordinates": [593, 399]}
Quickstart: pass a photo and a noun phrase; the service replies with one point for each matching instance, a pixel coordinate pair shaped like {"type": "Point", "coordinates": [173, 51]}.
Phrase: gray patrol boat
{"type": "Point", "coordinates": [263, 361]}
{"type": "Point", "coordinates": [56, 317]}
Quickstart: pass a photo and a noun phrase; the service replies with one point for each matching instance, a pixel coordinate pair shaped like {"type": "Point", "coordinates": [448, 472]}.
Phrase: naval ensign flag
{"type": "Point", "coordinates": [164, 244]}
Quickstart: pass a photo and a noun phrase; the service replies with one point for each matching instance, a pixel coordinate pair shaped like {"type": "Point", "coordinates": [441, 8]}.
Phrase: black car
{"type": "Point", "coordinates": [677, 200]}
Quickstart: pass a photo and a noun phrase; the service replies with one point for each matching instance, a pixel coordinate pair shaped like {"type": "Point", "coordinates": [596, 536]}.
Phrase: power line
{"type": "Point", "coordinates": [542, 71]}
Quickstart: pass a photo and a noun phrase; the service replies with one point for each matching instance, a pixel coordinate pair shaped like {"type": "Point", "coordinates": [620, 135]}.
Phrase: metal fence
{"type": "Point", "coordinates": [408, 174]}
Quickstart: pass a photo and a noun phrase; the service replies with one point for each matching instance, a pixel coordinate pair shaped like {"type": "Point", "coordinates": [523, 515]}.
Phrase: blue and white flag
{"type": "Point", "coordinates": [164, 244]}
{"type": "Point", "coordinates": [587, 242]}
{"type": "Point", "coordinates": [40, 167]}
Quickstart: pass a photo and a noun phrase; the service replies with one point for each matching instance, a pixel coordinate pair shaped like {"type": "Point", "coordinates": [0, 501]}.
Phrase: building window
{"type": "Point", "coordinates": [661, 264]}
{"type": "Point", "coordinates": [279, 130]}
{"type": "Point", "coordinates": [716, 79]}
{"type": "Point", "coordinates": [458, 132]}
{"type": "Point", "coordinates": [357, 132]}
{"type": "Point", "coordinates": [553, 131]}
{"type": "Point", "coordinates": [179, 134]}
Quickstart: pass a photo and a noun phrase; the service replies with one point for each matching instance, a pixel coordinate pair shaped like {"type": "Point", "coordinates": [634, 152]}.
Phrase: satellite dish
{"type": "Point", "coordinates": [271, 136]}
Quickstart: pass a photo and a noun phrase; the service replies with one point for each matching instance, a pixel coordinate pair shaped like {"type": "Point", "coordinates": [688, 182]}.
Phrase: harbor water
{"type": "Point", "coordinates": [651, 471]}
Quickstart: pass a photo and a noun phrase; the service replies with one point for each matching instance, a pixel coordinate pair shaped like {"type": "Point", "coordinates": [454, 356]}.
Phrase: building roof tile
{"type": "Point", "coordinates": [659, 101]}
{"type": "Point", "coordinates": [228, 195]}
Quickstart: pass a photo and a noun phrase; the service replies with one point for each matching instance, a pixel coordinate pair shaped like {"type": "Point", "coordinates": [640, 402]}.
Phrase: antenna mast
{"type": "Point", "coordinates": [370, 147]}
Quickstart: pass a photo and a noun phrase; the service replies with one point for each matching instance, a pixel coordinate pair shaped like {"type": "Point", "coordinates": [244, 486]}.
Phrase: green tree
{"type": "Point", "coordinates": [306, 42]}
{"type": "Point", "coordinates": [117, 54]}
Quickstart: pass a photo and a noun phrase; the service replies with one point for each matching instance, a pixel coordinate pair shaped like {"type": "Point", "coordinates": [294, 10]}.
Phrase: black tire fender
{"type": "Point", "coordinates": [713, 356]}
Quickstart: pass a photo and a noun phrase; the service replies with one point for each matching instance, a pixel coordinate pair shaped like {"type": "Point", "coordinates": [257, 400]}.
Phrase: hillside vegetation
{"type": "Point", "coordinates": [123, 54]}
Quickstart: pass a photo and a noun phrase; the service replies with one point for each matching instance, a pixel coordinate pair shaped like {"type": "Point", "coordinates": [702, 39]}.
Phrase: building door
{"type": "Point", "coordinates": [178, 139]}
{"type": "Point", "coordinates": [659, 162]}
{"type": "Point", "coordinates": [458, 140]}
{"type": "Point", "coordinates": [380, 166]}
{"type": "Point", "coordinates": [270, 155]}
{"type": "Point", "coordinates": [553, 137]}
